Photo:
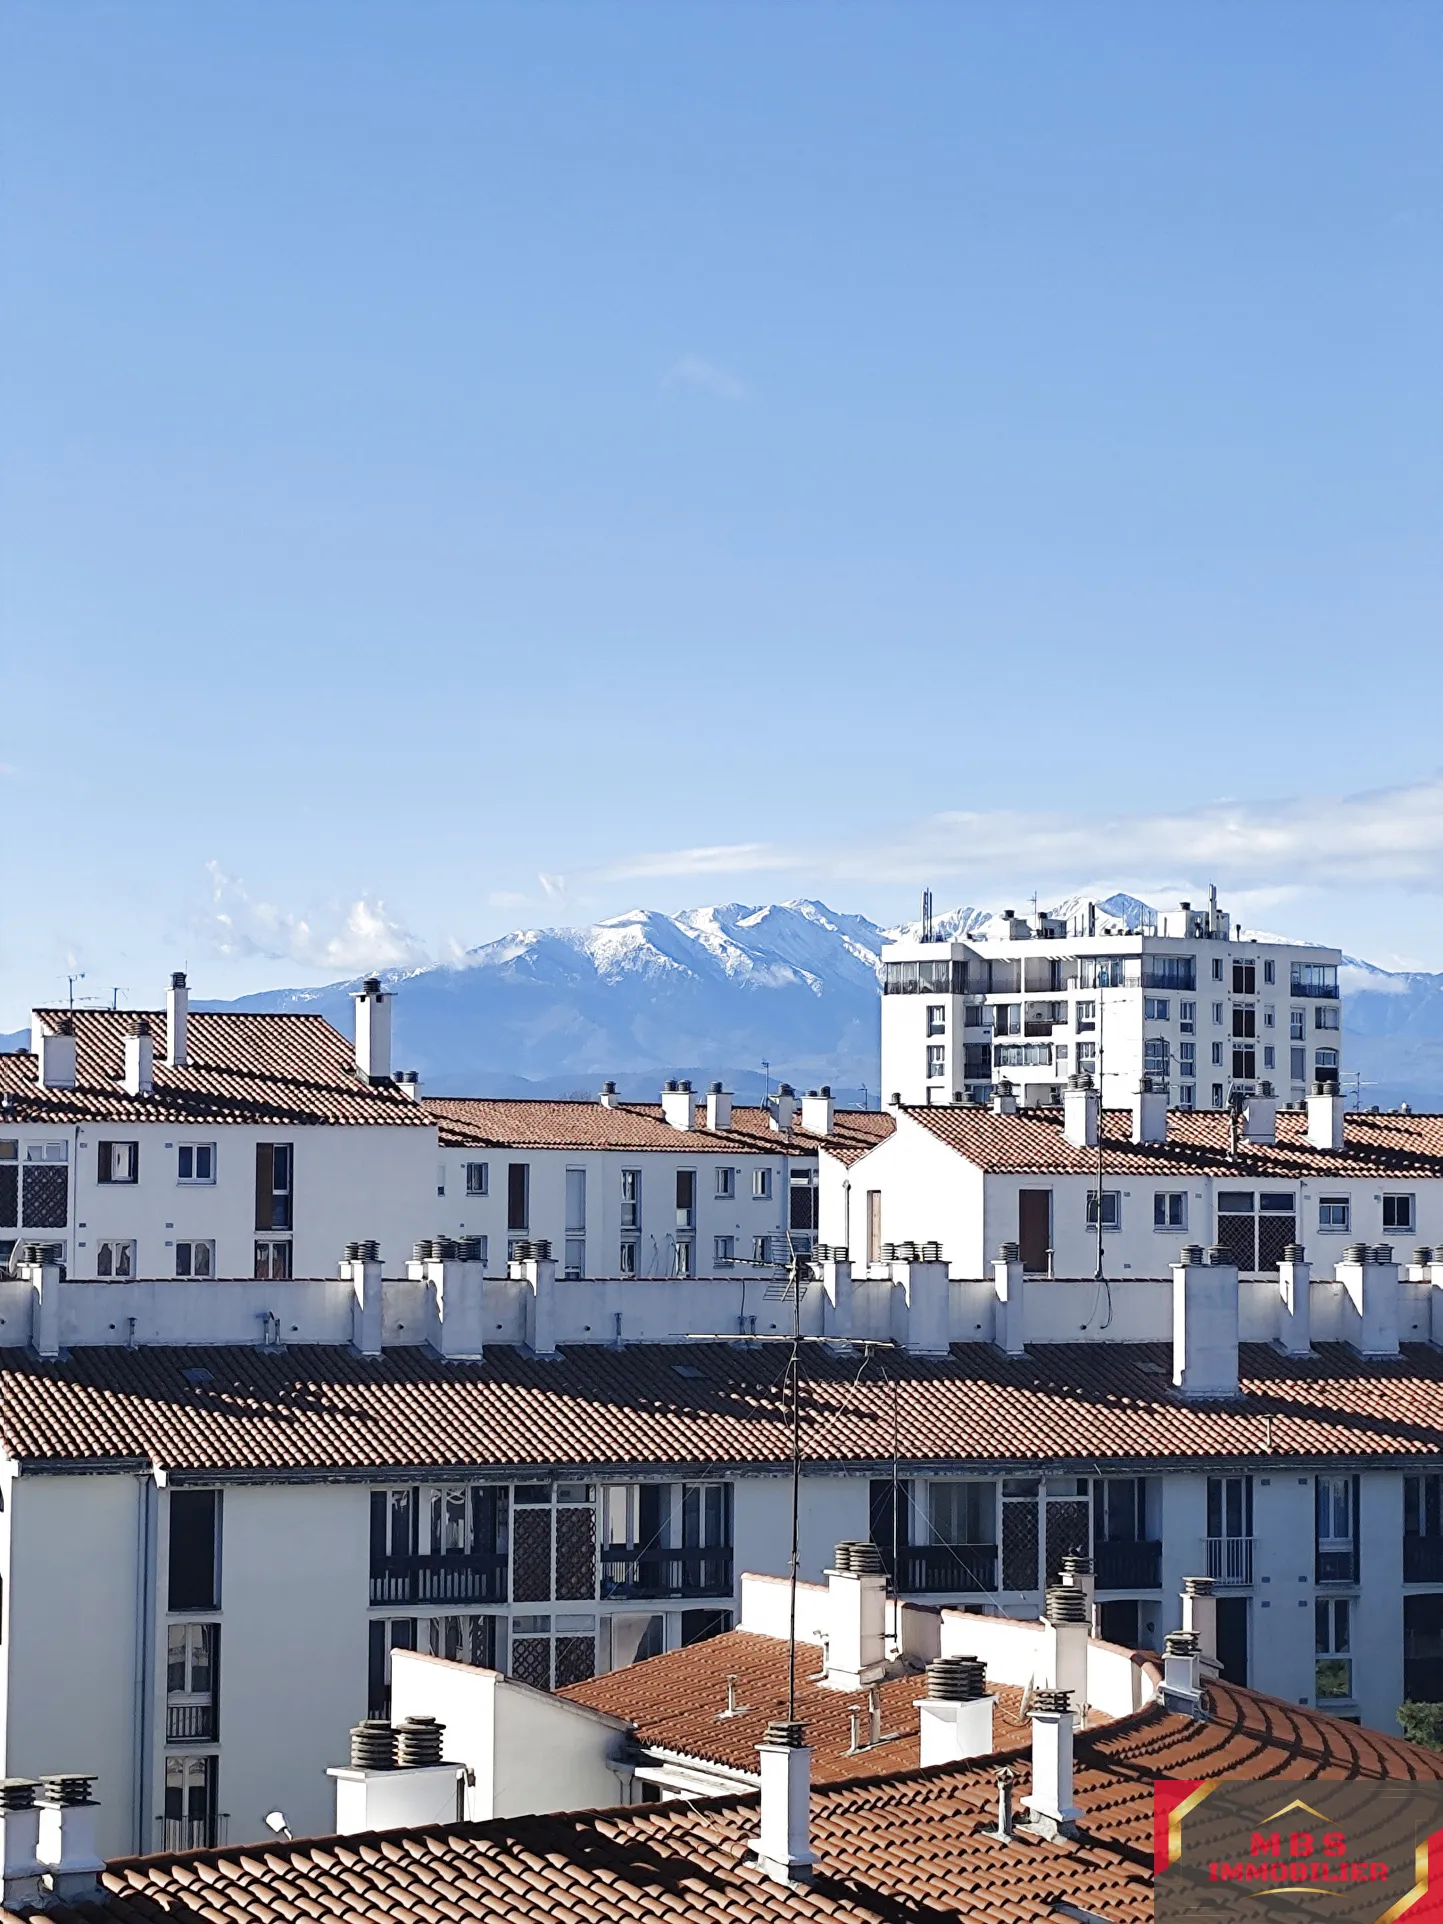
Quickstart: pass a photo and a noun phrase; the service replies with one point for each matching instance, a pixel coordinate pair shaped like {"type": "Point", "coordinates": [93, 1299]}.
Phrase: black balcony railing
{"type": "Point", "coordinates": [190, 1723]}
{"type": "Point", "coordinates": [1423, 1559]}
{"type": "Point", "coordinates": [1127, 1566]}
{"type": "Point", "coordinates": [933, 1569]}
{"type": "Point", "coordinates": [476, 1577]}
{"type": "Point", "coordinates": [665, 1573]}
{"type": "Point", "coordinates": [1338, 1563]}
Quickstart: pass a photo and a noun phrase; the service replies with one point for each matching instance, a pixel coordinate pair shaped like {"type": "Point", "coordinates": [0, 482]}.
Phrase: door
{"type": "Point", "coordinates": [1233, 1638]}
{"type": "Point", "coordinates": [1034, 1229]}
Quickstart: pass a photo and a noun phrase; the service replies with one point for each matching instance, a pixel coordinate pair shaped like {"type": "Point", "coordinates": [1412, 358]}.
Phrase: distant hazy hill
{"type": "Point", "coordinates": [718, 991]}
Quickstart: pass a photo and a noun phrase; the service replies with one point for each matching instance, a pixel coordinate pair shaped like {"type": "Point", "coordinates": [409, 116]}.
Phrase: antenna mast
{"type": "Point", "coordinates": [795, 1271]}
{"type": "Point", "coordinates": [927, 935]}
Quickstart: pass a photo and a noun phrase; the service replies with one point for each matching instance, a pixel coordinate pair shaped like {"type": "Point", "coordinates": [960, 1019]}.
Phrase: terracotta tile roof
{"type": "Point", "coordinates": [907, 1843]}
{"type": "Point", "coordinates": [292, 1071]}
{"type": "Point", "coordinates": [486, 1121]}
{"type": "Point", "coordinates": [855, 1131]}
{"type": "Point", "coordinates": [673, 1703]}
{"type": "Point", "coordinates": [704, 1405]}
{"type": "Point", "coordinates": [1198, 1143]}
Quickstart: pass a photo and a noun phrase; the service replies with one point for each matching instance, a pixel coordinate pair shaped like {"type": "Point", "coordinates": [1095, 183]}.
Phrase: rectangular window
{"type": "Point", "coordinates": [1217, 970]}
{"type": "Point", "coordinates": [273, 1262]}
{"type": "Point", "coordinates": [936, 1061]}
{"type": "Point", "coordinates": [1245, 1064]}
{"type": "Point", "coordinates": [1245, 978]}
{"type": "Point", "coordinates": [626, 1263]}
{"type": "Point", "coordinates": [1298, 1064]}
{"type": "Point", "coordinates": [576, 1202]}
{"type": "Point", "coordinates": [685, 1201]}
{"type": "Point", "coordinates": [1327, 1015]}
{"type": "Point", "coordinates": [275, 1170]}
{"type": "Point", "coordinates": [192, 1652]}
{"type": "Point", "coordinates": [117, 1162]}
{"type": "Point", "coordinates": [1270, 1056]}
{"type": "Point", "coordinates": [1187, 1095]}
{"type": "Point", "coordinates": [1156, 1008]}
{"type": "Point", "coordinates": [1217, 1055]}
{"type": "Point", "coordinates": [1007, 1018]}
{"type": "Point", "coordinates": [936, 1018]}
{"type": "Point", "coordinates": [1087, 1058]}
{"type": "Point", "coordinates": [115, 1262]}
{"type": "Point", "coordinates": [1315, 978]}
{"type": "Point", "coordinates": [726, 1182]}
{"type": "Point", "coordinates": [1337, 1519]}
{"type": "Point", "coordinates": [1334, 1212]}
{"type": "Point", "coordinates": [573, 1267]}
{"type": "Point", "coordinates": [1086, 1017]}
{"type": "Point", "coordinates": [761, 1185]}
{"type": "Point", "coordinates": [1398, 1212]}
{"type": "Point", "coordinates": [1270, 973]}
{"type": "Point", "coordinates": [189, 1819]}
{"type": "Point", "coordinates": [874, 1225]}
{"type": "Point", "coordinates": [1237, 1227]}
{"type": "Point", "coordinates": [1169, 972]}
{"type": "Point", "coordinates": [1217, 1095]}
{"type": "Point", "coordinates": [478, 1178]}
{"type": "Point", "coordinates": [1111, 1208]}
{"type": "Point", "coordinates": [1270, 1020]}
{"type": "Point", "coordinates": [195, 1259]}
{"type": "Point", "coordinates": [631, 1199]}
{"type": "Point", "coordinates": [1155, 1055]}
{"type": "Point", "coordinates": [1325, 1061]}
{"type": "Point", "coordinates": [684, 1257]}
{"type": "Point", "coordinates": [1187, 1058]}
{"type": "Point", "coordinates": [1187, 1017]}
{"type": "Point", "coordinates": [1333, 1670]}
{"type": "Point", "coordinates": [1169, 1209]}
{"type": "Point", "coordinates": [1245, 1021]}
{"type": "Point", "coordinates": [518, 1195]}
{"type": "Point", "coordinates": [194, 1580]}
{"type": "Point", "coordinates": [1298, 1025]}
{"type": "Point", "coordinates": [724, 1252]}
{"type": "Point", "coordinates": [195, 1162]}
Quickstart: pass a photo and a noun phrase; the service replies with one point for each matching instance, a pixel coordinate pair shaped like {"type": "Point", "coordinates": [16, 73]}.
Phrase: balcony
{"type": "Point", "coordinates": [476, 1577]}
{"type": "Point", "coordinates": [1328, 990]}
{"type": "Point", "coordinates": [1128, 1566]}
{"type": "Point", "coordinates": [942, 1569]}
{"type": "Point", "coordinates": [190, 1723]}
{"type": "Point", "coordinates": [1423, 1559]}
{"type": "Point", "coordinates": [1230, 1561]}
{"type": "Point", "coordinates": [665, 1573]}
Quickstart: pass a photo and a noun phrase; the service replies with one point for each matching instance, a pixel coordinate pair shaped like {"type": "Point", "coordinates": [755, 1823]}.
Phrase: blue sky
{"type": "Point", "coordinates": [476, 464]}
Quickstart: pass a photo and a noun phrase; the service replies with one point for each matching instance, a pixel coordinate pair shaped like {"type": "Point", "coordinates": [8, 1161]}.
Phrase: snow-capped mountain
{"type": "Point", "coordinates": [719, 991]}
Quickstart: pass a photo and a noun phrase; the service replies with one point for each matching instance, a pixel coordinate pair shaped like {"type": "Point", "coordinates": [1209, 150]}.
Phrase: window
{"type": "Point", "coordinates": [726, 1182]}
{"type": "Point", "coordinates": [1155, 1055]}
{"type": "Point", "coordinates": [761, 1185]}
{"type": "Point", "coordinates": [1334, 1212]}
{"type": "Point", "coordinates": [1398, 1212]}
{"type": "Point", "coordinates": [936, 1061]}
{"type": "Point", "coordinates": [518, 1195]}
{"type": "Point", "coordinates": [1086, 1017]}
{"type": "Point", "coordinates": [1298, 1025]}
{"type": "Point", "coordinates": [576, 1202]}
{"type": "Point", "coordinates": [1245, 978]}
{"type": "Point", "coordinates": [190, 1801]}
{"type": "Point", "coordinates": [1217, 1095]}
{"type": "Point", "coordinates": [195, 1259]}
{"type": "Point", "coordinates": [1270, 973]}
{"type": "Point", "coordinates": [1325, 1061]}
{"type": "Point", "coordinates": [874, 1225]}
{"type": "Point", "coordinates": [1111, 1208]}
{"type": "Point", "coordinates": [630, 1200]}
{"type": "Point", "coordinates": [1156, 1008]}
{"type": "Point", "coordinates": [1187, 1017]}
{"type": "Point", "coordinates": [1245, 1064]}
{"type": "Point", "coordinates": [275, 1173]}
{"type": "Point", "coordinates": [1169, 1209]}
{"type": "Point", "coordinates": [550, 1652]}
{"type": "Point", "coordinates": [1245, 1021]}
{"type": "Point", "coordinates": [1327, 1015]}
{"type": "Point", "coordinates": [117, 1162]}
{"type": "Point", "coordinates": [574, 1266]}
{"type": "Point", "coordinates": [1337, 1516]}
{"type": "Point", "coordinates": [724, 1253]}
{"type": "Point", "coordinates": [1087, 1058]}
{"type": "Point", "coordinates": [1217, 1014]}
{"type": "Point", "coordinates": [9, 1184]}
{"type": "Point", "coordinates": [1169, 972]}
{"type": "Point", "coordinates": [1333, 1671]}
{"type": "Point", "coordinates": [465, 1639]}
{"type": "Point", "coordinates": [962, 1513]}
{"type": "Point", "coordinates": [194, 1582]}
{"type": "Point", "coordinates": [764, 1248]}
{"type": "Point", "coordinates": [1270, 1056]}
{"type": "Point", "coordinates": [191, 1652]}
{"type": "Point", "coordinates": [1187, 1058]}
{"type": "Point", "coordinates": [626, 1260]}
{"type": "Point", "coordinates": [478, 1178]}
{"type": "Point", "coordinates": [1007, 1018]}
{"type": "Point", "coordinates": [683, 1261]}
{"type": "Point", "coordinates": [1187, 1095]}
{"type": "Point", "coordinates": [1315, 978]}
{"type": "Point", "coordinates": [273, 1262]}
{"type": "Point", "coordinates": [1298, 1064]}
{"type": "Point", "coordinates": [685, 1200]}
{"type": "Point", "coordinates": [115, 1262]}
{"type": "Point", "coordinates": [1217, 1055]}
{"type": "Point", "coordinates": [195, 1162]}
{"type": "Point", "coordinates": [936, 1018]}
{"type": "Point", "coordinates": [1217, 973]}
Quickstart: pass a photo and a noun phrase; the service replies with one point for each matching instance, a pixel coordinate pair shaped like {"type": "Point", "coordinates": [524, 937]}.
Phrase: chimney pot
{"type": "Point", "coordinates": [373, 1031]}
{"type": "Point", "coordinates": [177, 1021]}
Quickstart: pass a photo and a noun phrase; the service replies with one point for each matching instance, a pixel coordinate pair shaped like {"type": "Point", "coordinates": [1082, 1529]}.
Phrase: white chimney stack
{"type": "Point", "coordinates": [783, 1847]}
{"type": "Point", "coordinates": [1077, 1574]}
{"type": "Point", "coordinates": [1053, 1811]}
{"type": "Point", "coordinates": [55, 1055]}
{"type": "Point", "coordinates": [1260, 1119]}
{"type": "Point", "coordinates": [678, 1106]}
{"type": "Point", "coordinates": [139, 1059]}
{"type": "Point", "coordinates": [1149, 1113]}
{"type": "Point", "coordinates": [66, 1844]}
{"type": "Point", "coordinates": [1370, 1308]}
{"type": "Point", "coordinates": [1004, 1098]}
{"type": "Point", "coordinates": [856, 1618]}
{"type": "Point", "coordinates": [1081, 1109]}
{"type": "Point", "coordinates": [21, 1821]}
{"type": "Point", "coordinates": [718, 1107]}
{"type": "Point", "coordinates": [177, 1021]}
{"type": "Point", "coordinates": [396, 1777]}
{"type": "Point", "coordinates": [1205, 1323]}
{"type": "Point", "coordinates": [1181, 1685]}
{"type": "Point", "coordinates": [955, 1717]}
{"type": "Point", "coordinates": [784, 1108]}
{"type": "Point", "coordinates": [1325, 1117]}
{"type": "Point", "coordinates": [1066, 1628]}
{"type": "Point", "coordinates": [1009, 1313]}
{"type": "Point", "coordinates": [1295, 1279]}
{"type": "Point", "coordinates": [609, 1098]}
{"type": "Point", "coordinates": [817, 1111]}
{"type": "Point", "coordinates": [373, 1031]}
{"type": "Point", "coordinates": [1200, 1615]}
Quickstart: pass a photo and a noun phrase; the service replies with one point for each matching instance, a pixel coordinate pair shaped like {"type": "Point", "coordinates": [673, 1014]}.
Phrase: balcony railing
{"type": "Point", "coordinates": [1128, 1566]}
{"type": "Point", "coordinates": [932, 1569]}
{"type": "Point", "coordinates": [476, 1577]}
{"type": "Point", "coordinates": [1328, 990]}
{"type": "Point", "coordinates": [1423, 1559]}
{"type": "Point", "coordinates": [665, 1573]}
{"type": "Point", "coordinates": [194, 1833]}
{"type": "Point", "coordinates": [1230, 1561]}
{"type": "Point", "coordinates": [190, 1723]}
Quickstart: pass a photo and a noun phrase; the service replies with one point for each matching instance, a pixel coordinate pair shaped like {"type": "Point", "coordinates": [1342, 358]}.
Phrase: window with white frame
{"type": "Point", "coordinates": [1269, 1056]}
{"type": "Point", "coordinates": [1086, 1017]}
{"type": "Point", "coordinates": [574, 1258]}
{"type": "Point", "coordinates": [1333, 1669]}
{"type": "Point", "coordinates": [1111, 1208]}
{"type": "Point", "coordinates": [626, 1257]}
{"type": "Point", "coordinates": [195, 1162]}
{"type": "Point", "coordinates": [1156, 1008]}
{"type": "Point", "coordinates": [936, 1060]}
{"type": "Point", "coordinates": [1325, 1061]}
{"type": "Point", "coordinates": [1217, 1055]}
{"type": "Point", "coordinates": [115, 1261]}
{"type": "Point", "coordinates": [1327, 1015]}
{"type": "Point", "coordinates": [1217, 1014]}
{"type": "Point", "coordinates": [683, 1262]}
{"type": "Point", "coordinates": [1169, 1209]}
{"type": "Point", "coordinates": [726, 1181]}
{"type": "Point", "coordinates": [1155, 1055]}
{"type": "Point", "coordinates": [1187, 1095]}
{"type": "Point", "coordinates": [195, 1258]}
{"type": "Point", "coordinates": [478, 1179]}
{"type": "Point", "coordinates": [1298, 1025]}
{"type": "Point", "coordinates": [1334, 1212]}
{"type": "Point", "coordinates": [1298, 1064]}
{"type": "Point", "coordinates": [117, 1162]}
{"type": "Point", "coordinates": [630, 1199]}
{"type": "Point", "coordinates": [1187, 1017]}
{"type": "Point", "coordinates": [936, 1018]}
{"type": "Point", "coordinates": [273, 1262]}
{"type": "Point", "coordinates": [1399, 1213]}
{"type": "Point", "coordinates": [1187, 1058]}
{"type": "Point", "coordinates": [1218, 975]}
{"type": "Point", "coordinates": [1270, 1017]}
{"type": "Point", "coordinates": [761, 1185]}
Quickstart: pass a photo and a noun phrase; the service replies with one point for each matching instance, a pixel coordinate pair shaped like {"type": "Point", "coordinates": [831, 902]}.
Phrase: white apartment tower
{"type": "Point", "coordinates": [1190, 1008]}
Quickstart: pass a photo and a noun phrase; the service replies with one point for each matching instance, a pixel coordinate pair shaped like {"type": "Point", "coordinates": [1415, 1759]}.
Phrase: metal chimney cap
{"type": "Point", "coordinates": [18, 1793]}
{"type": "Point", "coordinates": [1066, 1603]}
{"type": "Point", "coordinates": [826, 1090]}
{"type": "Point", "coordinates": [1051, 1703]}
{"type": "Point", "coordinates": [1381, 1253]}
{"type": "Point", "coordinates": [1079, 1079]}
{"type": "Point", "coordinates": [371, 985]}
{"type": "Point", "coordinates": [139, 1026]}
{"type": "Point", "coordinates": [1355, 1253]}
{"type": "Point", "coordinates": [1077, 1566]}
{"type": "Point", "coordinates": [956, 1680]}
{"type": "Point", "coordinates": [783, 1735]}
{"type": "Point", "coordinates": [1294, 1253]}
{"type": "Point", "coordinates": [1197, 1586]}
{"type": "Point", "coordinates": [716, 1088]}
{"type": "Point", "coordinates": [1007, 1252]}
{"type": "Point", "coordinates": [1190, 1255]}
{"type": "Point", "coordinates": [1217, 1255]}
{"type": "Point", "coordinates": [67, 1788]}
{"type": "Point", "coordinates": [1423, 1254]}
{"type": "Point", "coordinates": [1181, 1643]}
{"type": "Point", "coordinates": [177, 980]}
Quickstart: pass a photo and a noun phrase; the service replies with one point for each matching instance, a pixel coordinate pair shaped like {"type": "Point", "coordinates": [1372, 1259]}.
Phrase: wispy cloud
{"type": "Point", "coordinates": [692, 370]}
{"type": "Point", "coordinates": [361, 935]}
{"type": "Point", "coordinates": [1387, 836]}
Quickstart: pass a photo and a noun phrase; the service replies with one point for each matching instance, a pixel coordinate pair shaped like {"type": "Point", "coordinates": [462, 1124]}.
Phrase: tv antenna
{"type": "Point", "coordinates": [927, 935]}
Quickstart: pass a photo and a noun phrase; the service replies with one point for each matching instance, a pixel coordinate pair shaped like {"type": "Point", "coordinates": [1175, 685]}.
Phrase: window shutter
{"type": "Point", "coordinates": [265, 1183]}
{"type": "Point", "coordinates": [104, 1160]}
{"type": "Point", "coordinates": [132, 1162]}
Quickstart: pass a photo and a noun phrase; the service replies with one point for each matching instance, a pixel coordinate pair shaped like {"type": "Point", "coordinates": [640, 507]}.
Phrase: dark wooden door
{"type": "Point", "coordinates": [1034, 1228]}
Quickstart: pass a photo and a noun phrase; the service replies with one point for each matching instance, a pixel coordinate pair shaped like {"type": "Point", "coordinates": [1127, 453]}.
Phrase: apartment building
{"type": "Point", "coordinates": [275, 1485]}
{"type": "Point", "coordinates": [1192, 1006]}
